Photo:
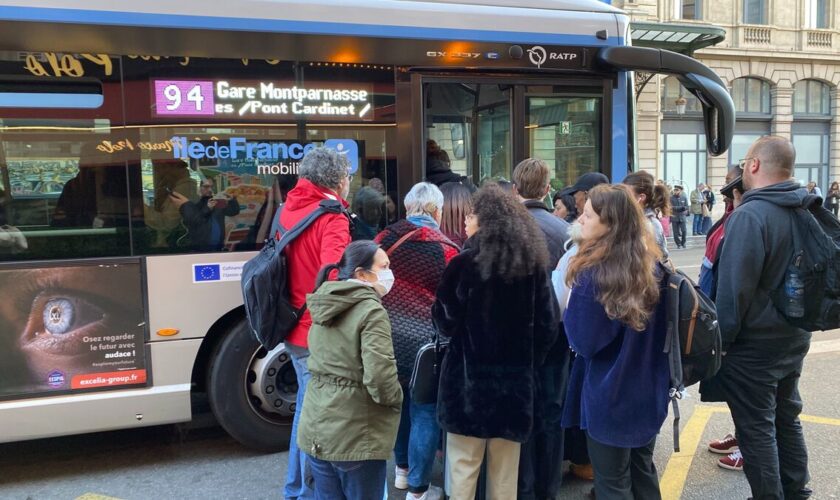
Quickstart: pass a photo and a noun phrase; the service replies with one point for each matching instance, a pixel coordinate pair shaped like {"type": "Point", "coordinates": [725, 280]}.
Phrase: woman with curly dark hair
{"type": "Point", "coordinates": [496, 306]}
{"type": "Point", "coordinates": [616, 322]}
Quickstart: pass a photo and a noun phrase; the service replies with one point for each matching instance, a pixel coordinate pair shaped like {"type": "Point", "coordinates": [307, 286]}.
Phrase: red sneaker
{"type": "Point", "coordinates": [732, 462]}
{"type": "Point", "coordinates": [724, 446]}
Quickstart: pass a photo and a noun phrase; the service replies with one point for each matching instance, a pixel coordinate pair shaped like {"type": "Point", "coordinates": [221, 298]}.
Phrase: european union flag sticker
{"type": "Point", "coordinates": [347, 147]}
{"type": "Point", "coordinates": [206, 272]}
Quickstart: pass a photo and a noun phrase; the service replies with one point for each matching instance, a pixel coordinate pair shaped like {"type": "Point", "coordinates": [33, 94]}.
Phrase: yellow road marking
{"type": "Point", "coordinates": [95, 496]}
{"type": "Point", "coordinates": [820, 420]}
{"type": "Point", "coordinates": [673, 479]}
{"type": "Point", "coordinates": [805, 418]}
{"type": "Point", "coordinates": [676, 472]}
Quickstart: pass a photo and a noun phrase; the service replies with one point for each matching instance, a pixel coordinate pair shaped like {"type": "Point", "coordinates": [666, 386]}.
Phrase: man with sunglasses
{"type": "Point", "coordinates": [763, 353]}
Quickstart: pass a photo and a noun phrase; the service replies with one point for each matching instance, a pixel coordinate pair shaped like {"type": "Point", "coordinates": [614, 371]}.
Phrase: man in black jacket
{"type": "Point", "coordinates": [205, 218]}
{"type": "Point", "coordinates": [679, 212]}
{"type": "Point", "coordinates": [763, 353]}
{"type": "Point", "coordinates": [541, 457]}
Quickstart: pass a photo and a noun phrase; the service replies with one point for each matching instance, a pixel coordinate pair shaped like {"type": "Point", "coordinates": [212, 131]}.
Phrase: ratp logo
{"type": "Point", "coordinates": [537, 55]}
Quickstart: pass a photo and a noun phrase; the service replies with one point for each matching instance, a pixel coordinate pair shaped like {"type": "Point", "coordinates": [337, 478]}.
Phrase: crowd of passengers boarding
{"type": "Point", "coordinates": [554, 335]}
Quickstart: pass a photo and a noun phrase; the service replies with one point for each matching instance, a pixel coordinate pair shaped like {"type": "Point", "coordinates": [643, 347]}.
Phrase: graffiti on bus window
{"type": "Point", "coordinates": [71, 65]}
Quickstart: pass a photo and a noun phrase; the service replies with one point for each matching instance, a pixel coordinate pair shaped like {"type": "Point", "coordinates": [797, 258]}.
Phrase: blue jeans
{"type": "Point", "coordinates": [417, 441]}
{"type": "Point", "coordinates": [358, 480]}
{"type": "Point", "coordinates": [697, 224]}
{"type": "Point", "coordinates": [296, 487]}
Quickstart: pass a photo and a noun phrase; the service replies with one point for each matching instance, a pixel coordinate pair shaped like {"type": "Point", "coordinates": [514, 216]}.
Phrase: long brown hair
{"type": "Point", "coordinates": [457, 203]}
{"type": "Point", "coordinates": [657, 197]}
{"type": "Point", "coordinates": [623, 260]}
{"type": "Point", "coordinates": [510, 243]}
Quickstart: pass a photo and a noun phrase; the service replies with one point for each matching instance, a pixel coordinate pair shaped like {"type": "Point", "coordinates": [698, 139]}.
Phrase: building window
{"type": "Point", "coordinates": [673, 90]}
{"type": "Point", "coordinates": [688, 9]}
{"type": "Point", "coordinates": [683, 157]}
{"type": "Point", "coordinates": [812, 150]}
{"type": "Point", "coordinates": [755, 11]}
{"type": "Point", "coordinates": [810, 97]}
{"type": "Point", "coordinates": [740, 145]}
{"type": "Point", "coordinates": [816, 14]}
{"type": "Point", "coordinates": [751, 95]}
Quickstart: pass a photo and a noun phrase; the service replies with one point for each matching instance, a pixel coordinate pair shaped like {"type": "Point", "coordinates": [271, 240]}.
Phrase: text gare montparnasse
{"type": "Point", "coordinates": [265, 99]}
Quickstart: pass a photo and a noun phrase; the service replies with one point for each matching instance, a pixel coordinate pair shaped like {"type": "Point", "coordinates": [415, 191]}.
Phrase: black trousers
{"type": "Point", "coordinates": [678, 227]}
{"type": "Point", "coordinates": [760, 383]}
{"type": "Point", "coordinates": [624, 473]}
{"type": "Point", "coordinates": [541, 457]}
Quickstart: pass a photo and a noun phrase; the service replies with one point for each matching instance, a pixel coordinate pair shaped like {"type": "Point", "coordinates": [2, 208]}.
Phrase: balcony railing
{"type": "Point", "coordinates": [818, 39]}
{"type": "Point", "coordinates": [756, 35]}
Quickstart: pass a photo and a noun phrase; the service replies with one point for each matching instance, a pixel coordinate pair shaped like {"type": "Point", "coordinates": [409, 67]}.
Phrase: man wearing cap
{"type": "Point", "coordinates": [585, 183]}
{"type": "Point", "coordinates": [679, 213]}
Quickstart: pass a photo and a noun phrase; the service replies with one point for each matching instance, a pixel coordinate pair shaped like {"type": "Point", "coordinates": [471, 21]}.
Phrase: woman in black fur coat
{"type": "Point", "coordinates": [497, 306]}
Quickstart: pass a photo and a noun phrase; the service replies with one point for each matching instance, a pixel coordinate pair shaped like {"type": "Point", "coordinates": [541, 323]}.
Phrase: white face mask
{"type": "Point", "coordinates": [384, 281]}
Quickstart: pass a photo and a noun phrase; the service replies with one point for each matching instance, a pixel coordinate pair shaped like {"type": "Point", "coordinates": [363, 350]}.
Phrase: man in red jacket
{"type": "Point", "coordinates": [324, 174]}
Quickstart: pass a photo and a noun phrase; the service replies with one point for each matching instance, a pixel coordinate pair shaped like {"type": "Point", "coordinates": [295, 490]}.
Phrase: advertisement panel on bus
{"type": "Point", "coordinates": [71, 328]}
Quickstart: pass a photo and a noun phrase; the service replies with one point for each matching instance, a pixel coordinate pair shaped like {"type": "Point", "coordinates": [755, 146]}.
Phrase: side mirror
{"type": "Point", "coordinates": [718, 108]}
{"type": "Point", "coordinates": [718, 111]}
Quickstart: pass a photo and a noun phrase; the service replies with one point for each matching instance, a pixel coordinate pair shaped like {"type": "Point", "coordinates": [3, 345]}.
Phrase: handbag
{"type": "Point", "coordinates": [425, 377]}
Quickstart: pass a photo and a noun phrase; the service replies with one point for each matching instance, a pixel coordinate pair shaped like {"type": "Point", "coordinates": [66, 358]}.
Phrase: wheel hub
{"type": "Point", "coordinates": [272, 384]}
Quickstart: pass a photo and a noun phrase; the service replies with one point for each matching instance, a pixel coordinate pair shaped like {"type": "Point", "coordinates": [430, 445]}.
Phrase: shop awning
{"type": "Point", "coordinates": [682, 38]}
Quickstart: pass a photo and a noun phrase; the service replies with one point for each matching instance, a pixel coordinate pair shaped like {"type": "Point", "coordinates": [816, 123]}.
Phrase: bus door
{"type": "Point", "coordinates": [478, 129]}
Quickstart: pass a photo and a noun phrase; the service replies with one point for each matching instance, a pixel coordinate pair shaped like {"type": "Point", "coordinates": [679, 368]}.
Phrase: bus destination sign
{"type": "Point", "coordinates": [261, 100]}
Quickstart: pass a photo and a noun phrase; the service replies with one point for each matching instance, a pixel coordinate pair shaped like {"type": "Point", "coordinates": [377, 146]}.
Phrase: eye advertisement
{"type": "Point", "coordinates": [71, 328]}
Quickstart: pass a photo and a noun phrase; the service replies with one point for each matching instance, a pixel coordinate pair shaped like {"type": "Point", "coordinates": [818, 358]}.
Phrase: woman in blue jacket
{"type": "Point", "coordinates": [615, 322]}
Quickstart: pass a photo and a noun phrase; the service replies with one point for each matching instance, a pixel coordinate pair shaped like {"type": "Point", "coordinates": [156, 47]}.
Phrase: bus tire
{"type": "Point", "coordinates": [239, 407]}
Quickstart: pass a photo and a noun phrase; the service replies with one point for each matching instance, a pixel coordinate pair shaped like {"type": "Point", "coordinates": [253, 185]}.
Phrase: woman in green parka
{"type": "Point", "coordinates": [351, 409]}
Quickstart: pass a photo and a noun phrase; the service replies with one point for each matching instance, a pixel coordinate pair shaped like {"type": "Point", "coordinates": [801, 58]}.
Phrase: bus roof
{"type": "Point", "coordinates": [538, 21]}
{"type": "Point", "coordinates": [571, 5]}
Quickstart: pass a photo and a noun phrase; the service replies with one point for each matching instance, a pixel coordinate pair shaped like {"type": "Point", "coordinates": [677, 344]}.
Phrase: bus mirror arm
{"type": "Point", "coordinates": [718, 111]}
{"type": "Point", "coordinates": [699, 79]}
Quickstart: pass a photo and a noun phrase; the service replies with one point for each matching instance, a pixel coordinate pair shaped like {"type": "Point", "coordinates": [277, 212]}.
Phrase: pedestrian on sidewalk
{"type": "Point", "coordinates": [496, 307]}
{"type": "Point", "coordinates": [814, 189]}
{"type": "Point", "coordinates": [351, 409]}
{"type": "Point", "coordinates": [324, 174]}
{"type": "Point", "coordinates": [541, 457]}
{"type": "Point", "coordinates": [832, 199]}
{"type": "Point", "coordinates": [708, 205]}
{"type": "Point", "coordinates": [616, 323]}
{"type": "Point", "coordinates": [418, 252]}
{"type": "Point", "coordinates": [653, 198]}
{"type": "Point", "coordinates": [728, 445]}
{"type": "Point", "coordinates": [763, 352]}
{"type": "Point", "coordinates": [697, 210]}
{"type": "Point", "coordinates": [679, 211]}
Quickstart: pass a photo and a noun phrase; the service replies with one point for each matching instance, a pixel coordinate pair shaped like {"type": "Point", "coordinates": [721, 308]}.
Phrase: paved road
{"type": "Point", "coordinates": [201, 462]}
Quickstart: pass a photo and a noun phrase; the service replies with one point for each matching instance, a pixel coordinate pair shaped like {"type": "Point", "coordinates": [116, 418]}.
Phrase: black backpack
{"type": "Point", "coordinates": [693, 342]}
{"type": "Point", "coordinates": [265, 290]}
{"type": "Point", "coordinates": [816, 258]}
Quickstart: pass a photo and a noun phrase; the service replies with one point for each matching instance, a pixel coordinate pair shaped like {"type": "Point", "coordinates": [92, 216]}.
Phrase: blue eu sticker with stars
{"type": "Point", "coordinates": [206, 272]}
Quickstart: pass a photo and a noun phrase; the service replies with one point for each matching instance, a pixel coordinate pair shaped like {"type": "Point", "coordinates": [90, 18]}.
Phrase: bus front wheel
{"type": "Point", "coordinates": [252, 391]}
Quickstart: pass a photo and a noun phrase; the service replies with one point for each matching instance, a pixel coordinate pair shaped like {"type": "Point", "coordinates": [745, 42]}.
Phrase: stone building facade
{"type": "Point", "coordinates": [781, 63]}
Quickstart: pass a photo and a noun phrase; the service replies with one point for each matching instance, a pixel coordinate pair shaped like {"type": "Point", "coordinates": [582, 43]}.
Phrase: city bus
{"type": "Point", "coordinates": [118, 121]}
